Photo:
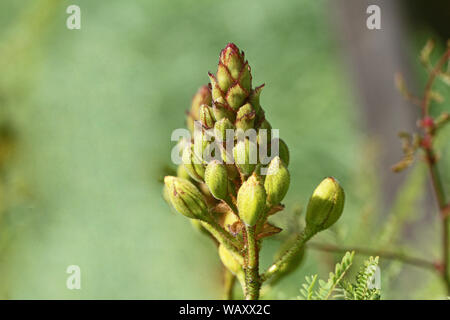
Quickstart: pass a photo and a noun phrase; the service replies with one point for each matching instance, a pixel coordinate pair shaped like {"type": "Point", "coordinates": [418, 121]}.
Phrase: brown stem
{"type": "Point", "coordinates": [418, 262]}
{"type": "Point", "coordinates": [436, 179]}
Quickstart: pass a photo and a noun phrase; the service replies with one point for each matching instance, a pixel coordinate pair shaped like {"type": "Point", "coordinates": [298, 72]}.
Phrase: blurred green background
{"type": "Point", "coordinates": [92, 110]}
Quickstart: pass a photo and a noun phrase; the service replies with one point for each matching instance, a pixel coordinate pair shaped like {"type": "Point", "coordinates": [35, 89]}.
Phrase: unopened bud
{"type": "Point", "coordinates": [245, 156]}
{"type": "Point", "coordinates": [186, 198]}
{"type": "Point", "coordinates": [245, 118]}
{"type": "Point", "coordinates": [283, 151]}
{"type": "Point", "coordinates": [251, 201]}
{"type": "Point", "coordinates": [267, 135]}
{"type": "Point", "coordinates": [276, 182]}
{"type": "Point", "coordinates": [182, 173]}
{"type": "Point", "coordinates": [254, 99]}
{"type": "Point", "coordinates": [232, 59]}
{"type": "Point", "coordinates": [221, 127]}
{"type": "Point", "coordinates": [325, 206]}
{"type": "Point", "coordinates": [216, 178]}
{"type": "Point", "coordinates": [230, 261]}
{"type": "Point", "coordinates": [192, 164]}
{"type": "Point", "coordinates": [203, 96]}
{"type": "Point", "coordinates": [206, 116]}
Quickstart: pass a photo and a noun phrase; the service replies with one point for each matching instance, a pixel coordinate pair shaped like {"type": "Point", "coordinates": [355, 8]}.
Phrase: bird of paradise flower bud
{"type": "Point", "coordinates": [232, 84]}
{"type": "Point", "coordinates": [276, 182]}
{"type": "Point", "coordinates": [203, 96]}
{"type": "Point", "coordinates": [216, 178]}
{"type": "Point", "coordinates": [230, 261]}
{"type": "Point", "coordinates": [283, 152]}
{"type": "Point", "coordinates": [267, 136]}
{"type": "Point", "coordinates": [245, 156]}
{"type": "Point", "coordinates": [251, 200]}
{"type": "Point", "coordinates": [206, 116]}
{"type": "Point", "coordinates": [193, 164]}
{"type": "Point", "coordinates": [186, 198]}
{"type": "Point", "coordinates": [325, 206]}
{"type": "Point", "coordinates": [221, 127]}
{"type": "Point", "coordinates": [182, 173]}
{"type": "Point", "coordinates": [245, 117]}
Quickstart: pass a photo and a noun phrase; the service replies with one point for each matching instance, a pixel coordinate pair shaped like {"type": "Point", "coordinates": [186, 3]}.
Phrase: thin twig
{"type": "Point", "coordinates": [391, 255]}
{"type": "Point", "coordinates": [435, 176]}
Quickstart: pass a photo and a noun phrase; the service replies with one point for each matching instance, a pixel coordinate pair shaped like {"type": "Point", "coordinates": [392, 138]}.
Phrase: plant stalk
{"type": "Point", "coordinates": [252, 279]}
{"type": "Point", "coordinates": [288, 255]}
{"type": "Point", "coordinates": [223, 237]}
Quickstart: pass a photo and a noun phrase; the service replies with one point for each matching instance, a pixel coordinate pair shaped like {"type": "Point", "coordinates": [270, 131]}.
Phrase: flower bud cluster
{"type": "Point", "coordinates": [229, 124]}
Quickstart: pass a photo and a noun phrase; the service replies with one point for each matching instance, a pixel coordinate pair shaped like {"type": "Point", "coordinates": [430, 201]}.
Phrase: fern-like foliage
{"type": "Point", "coordinates": [326, 288]}
{"type": "Point", "coordinates": [364, 287]}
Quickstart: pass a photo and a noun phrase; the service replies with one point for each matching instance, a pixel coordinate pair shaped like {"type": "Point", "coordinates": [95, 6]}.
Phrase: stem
{"type": "Point", "coordinates": [228, 284]}
{"type": "Point", "coordinates": [417, 262]}
{"type": "Point", "coordinates": [252, 280]}
{"type": "Point", "coordinates": [436, 179]}
{"type": "Point", "coordinates": [223, 237]}
{"type": "Point", "coordinates": [442, 203]}
{"type": "Point", "coordinates": [298, 245]}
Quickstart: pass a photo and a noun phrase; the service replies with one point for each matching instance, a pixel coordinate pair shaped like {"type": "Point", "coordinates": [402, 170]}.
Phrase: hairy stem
{"type": "Point", "coordinates": [252, 280]}
{"type": "Point", "coordinates": [287, 256]}
{"type": "Point", "coordinates": [223, 237]}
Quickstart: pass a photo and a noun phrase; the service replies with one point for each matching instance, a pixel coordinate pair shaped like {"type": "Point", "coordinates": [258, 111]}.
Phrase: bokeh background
{"type": "Point", "coordinates": [86, 117]}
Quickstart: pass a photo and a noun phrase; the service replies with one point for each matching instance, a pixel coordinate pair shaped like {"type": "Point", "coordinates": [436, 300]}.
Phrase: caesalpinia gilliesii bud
{"type": "Point", "coordinates": [230, 261]}
{"type": "Point", "coordinates": [216, 178]}
{"type": "Point", "coordinates": [206, 116]}
{"type": "Point", "coordinates": [193, 164]}
{"type": "Point", "coordinates": [276, 182]}
{"type": "Point", "coordinates": [203, 96]}
{"type": "Point", "coordinates": [245, 156]}
{"type": "Point", "coordinates": [186, 198]}
{"type": "Point", "coordinates": [251, 200]}
{"type": "Point", "coordinates": [325, 206]}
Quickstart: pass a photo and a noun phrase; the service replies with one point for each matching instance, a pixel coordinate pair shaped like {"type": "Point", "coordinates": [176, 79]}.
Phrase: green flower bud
{"type": "Point", "coordinates": [245, 118]}
{"type": "Point", "coordinates": [229, 261]}
{"type": "Point", "coordinates": [251, 201]}
{"type": "Point", "coordinates": [265, 125]}
{"type": "Point", "coordinates": [254, 99]}
{"type": "Point", "coordinates": [206, 116]}
{"type": "Point", "coordinates": [232, 59]}
{"type": "Point", "coordinates": [203, 96]}
{"type": "Point", "coordinates": [276, 182]}
{"type": "Point", "coordinates": [166, 197]}
{"type": "Point", "coordinates": [186, 198]}
{"type": "Point", "coordinates": [192, 164]}
{"type": "Point", "coordinates": [325, 205]}
{"type": "Point", "coordinates": [232, 84]}
{"type": "Point", "coordinates": [182, 173]}
{"type": "Point", "coordinates": [221, 110]}
{"type": "Point", "coordinates": [245, 156]}
{"type": "Point", "coordinates": [283, 152]}
{"type": "Point", "coordinates": [216, 178]}
{"type": "Point", "coordinates": [221, 127]}
{"type": "Point", "coordinates": [236, 96]}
